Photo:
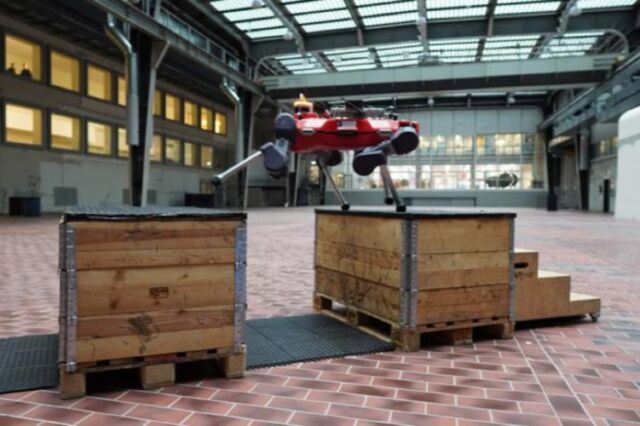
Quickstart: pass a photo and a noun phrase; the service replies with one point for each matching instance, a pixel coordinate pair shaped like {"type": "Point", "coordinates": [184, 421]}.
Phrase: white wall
{"type": "Point", "coordinates": [628, 182]}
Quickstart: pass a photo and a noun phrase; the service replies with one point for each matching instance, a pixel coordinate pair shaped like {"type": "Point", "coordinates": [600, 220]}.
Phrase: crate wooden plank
{"type": "Point", "coordinates": [149, 258]}
{"type": "Point", "coordinates": [461, 304]}
{"type": "Point", "coordinates": [463, 235]}
{"type": "Point", "coordinates": [160, 343]}
{"type": "Point", "coordinates": [370, 232]}
{"type": "Point", "coordinates": [378, 299]}
{"type": "Point", "coordinates": [148, 323]}
{"type": "Point", "coordinates": [153, 235]}
{"type": "Point", "coordinates": [462, 269]}
{"type": "Point", "coordinates": [109, 291]}
{"type": "Point", "coordinates": [372, 265]}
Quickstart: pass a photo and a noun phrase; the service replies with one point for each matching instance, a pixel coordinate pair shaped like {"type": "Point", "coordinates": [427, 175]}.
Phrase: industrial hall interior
{"type": "Point", "coordinates": [320, 212]}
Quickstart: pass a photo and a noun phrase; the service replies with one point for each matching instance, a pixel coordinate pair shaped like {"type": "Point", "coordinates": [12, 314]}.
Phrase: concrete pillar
{"type": "Point", "coordinates": [627, 192]}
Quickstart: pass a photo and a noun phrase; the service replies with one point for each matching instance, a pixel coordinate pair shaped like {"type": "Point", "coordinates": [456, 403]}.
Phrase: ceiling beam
{"type": "Point", "coordinates": [534, 24]}
{"type": "Point", "coordinates": [319, 56]}
{"type": "Point", "coordinates": [288, 21]}
{"type": "Point", "coordinates": [220, 22]}
{"type": "Point", "coordinates": [353, 11]}
{"type": "Point", "coordinates": [421, 23]}
{"type": "Point", "coordinates": [491, 16]}
{"type": "Point", "coordinates": [563, 23]}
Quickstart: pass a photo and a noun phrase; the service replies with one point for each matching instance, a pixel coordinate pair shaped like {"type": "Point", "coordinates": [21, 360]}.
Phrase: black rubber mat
{"type": "Point", "coordinates": [30, 362]}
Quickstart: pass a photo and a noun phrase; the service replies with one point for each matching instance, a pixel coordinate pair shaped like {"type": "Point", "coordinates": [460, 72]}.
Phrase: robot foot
{"type": "Point", "coordinates": [276, 158]}
{"type": "Point", "coordinates": [366, 161]}
{"type": "Point", "coordinates": [285, 126]}
{"type": "Point", "coordinates": [405, 140]}
{"type": "Point", "coordinates": [331, 158]}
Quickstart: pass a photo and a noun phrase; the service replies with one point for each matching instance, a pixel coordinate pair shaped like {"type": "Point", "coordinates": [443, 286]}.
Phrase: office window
{"type": "Point", "coordinates": [206, 119]}
{"type": "Point", "coordinates": [65, 132]}
{"type": "Point", "coordinates": [172, 107]}
{"type": "Point", "coordinates": [206, 157]}
{"type": "Point", "coordinates": [98, 82]}
{"type": "Point", "coordinates": [122, 91]}
{"type": "Point", "coordinates": [155, 152]}
{"type": "Point", "coordinates": [221, 123]}
{"type": "Point", "coordinates": [157, 103]}
{"type": "Point", "coordinates": [98, 138]}
{"type": "Point", "coordinates": [22, 57]}
{"type": "Point", "coordinates": [172, 151]}
{"type": "Point", "coordinates": [23, 125]}
{"type": "Point", "coordinates": [65, 71]}
{"type": "Point", "coordinates": [123, 146]}
{"type": "Point", "coordinates": [190, 113]}
{"type": "Point", "coordinates": [190, 154]}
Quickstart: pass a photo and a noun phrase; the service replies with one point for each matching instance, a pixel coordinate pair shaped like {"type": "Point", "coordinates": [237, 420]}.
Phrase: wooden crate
{"type": "Point", "coordinates": [147, 288]}
{"type": "Point", "coordinates": [541, 294]}
{"type": "Point", "coordinates": [417, 272]}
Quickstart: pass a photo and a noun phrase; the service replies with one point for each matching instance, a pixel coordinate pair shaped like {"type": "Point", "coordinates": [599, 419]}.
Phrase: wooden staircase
{"type": "Point", "coordinates": [542, 295]}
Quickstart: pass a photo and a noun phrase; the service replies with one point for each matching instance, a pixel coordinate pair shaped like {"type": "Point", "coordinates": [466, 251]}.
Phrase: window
{"type": "Point", "coordinates": [172, 151]}
{"type": "Point", "coordinates": [23, 125]}
{"type": "Point", "coordinates": [98, 83]}
{"type": "Point", "coordinates": [123, 146]}
{"type": "Point", "coordinates": [22, 57]}
{"type": "Point", "coordinates": [509, 144]}
{"type": "Point", "coordinates": [190, 154]}
{"type": "Point", "coordinates": [155, 152]}
{"type": "Point", "coordinates": [98, 138]}
{"type": "Point", "coordinates": [190, 113]}
{"type": "Point", "coordinates": [221, 123]}
{"type": "Point", "coordinates": [206, 119]}
{"type": "Point", "coordinates": [65, 132]}
{"type": "Point", "coordinates": [157, 103]}
{"type": "Point", "coordinates": [206, 157]}
{"type": "Point", "coordinates": [65, 71]}
{"type": "Point", "coordinates": [172, 107]}
{"type": "Point", "coordinates": [122, 91]}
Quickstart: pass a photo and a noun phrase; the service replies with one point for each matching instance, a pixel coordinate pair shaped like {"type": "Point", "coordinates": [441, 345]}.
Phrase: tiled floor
{"type": "Point", "coordinates": [566, 373]}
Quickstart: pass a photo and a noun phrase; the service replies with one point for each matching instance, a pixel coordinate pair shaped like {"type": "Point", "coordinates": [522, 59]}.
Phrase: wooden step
{"type": "Point", "coordinates": [546, 296]}
{"type": "Point", "coordinates": [525, 263]}
{"type": "Point", "coordinates": [582, 304]}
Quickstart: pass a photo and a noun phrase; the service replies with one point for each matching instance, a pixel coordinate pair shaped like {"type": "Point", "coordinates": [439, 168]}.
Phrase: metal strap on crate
{"type": "Point", "coordinates": [68, 297]}
{"type": "Point", "coordinates": [408, 274]}
{"type": "Point", "coordinates": [240, 285]}
{"type": "Point", "coordinates": [512, 273]}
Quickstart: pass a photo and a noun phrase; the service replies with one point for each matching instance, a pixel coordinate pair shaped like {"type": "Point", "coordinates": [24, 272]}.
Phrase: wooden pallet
{"type": "Point", "coordinates": [542, 294]}
{"type": "Point", "coordinates": [154, 371]}
{"type": "Point", "coordinates": [410, 339]}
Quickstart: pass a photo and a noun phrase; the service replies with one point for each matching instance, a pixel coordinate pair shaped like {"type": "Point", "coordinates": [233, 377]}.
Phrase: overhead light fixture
{"type": "Point", "coordinates": [372, 56]}
{"type": "Point", "coordinates": [511, 99]}
{"type": "Point", "coordinates": [575, 11]}
{"type": "Point", "coordinates": [431, 101]}
{"type": "Point", "coordinates": [288, 35]}
{"type": "Point", "coordinates": [421, 20]}
{"type": "Point", "coordinates": [256, 4]}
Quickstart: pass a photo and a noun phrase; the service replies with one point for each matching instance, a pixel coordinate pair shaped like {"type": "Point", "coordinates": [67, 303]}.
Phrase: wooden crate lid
{"type": "Point", "coordinates": [122, 212]}
{"type": "Point", "coordinates": [416, 213]}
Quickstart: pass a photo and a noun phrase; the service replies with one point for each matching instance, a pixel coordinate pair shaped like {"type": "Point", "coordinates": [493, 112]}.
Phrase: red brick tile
{"type": "Point", "coordinates": [202, 405]}
{"type": "Point", "coordinates": [299, 405]}
{"type": "Point", "coordinates": [456, 390]}
{"type": "Point", "coordinates": [537, 408]}
{"type": "Point", "coordinates": [625, 404]}
{"type": "Point", "coordinates": [305, 419]}
{"type": "Point", "coordinates": [193, 391]}
{"type": "Point", "coordinates": [613, 413]}
{"type": "Point", "coordinates": [314, 384]}
{"type": "Point", "coordinates": [358, 412]}
{"type": "Point", "coordinates": [345, 378]}
{"type": "Point", "coordinates": [480, 383]}
{"type": "Point", "coordinates": [241, 397]}
{"type": "Point", "coordinates": [49, 398]}
{"type": "Point", "coordinates": [15, 421]}
{"type": "Point", "coordinates": [57, 414]}
{"type": "Point", "coordinates": [336, 397]}
{"type": "Point", "coordinates": [368, 390]}
{"type": "Point", "coordinates": [489, 404]}
{"type": "Point", "coordinates": [524, 419]}
{"type": "Point", "coordinates": [375, 372]}
{"type": "Point", "coordinates": [459, 412]}
{"type": "Point", "coordinates": [399, 384]}
{"type": "Point", "coordinates": [280, 391]}
{"type": "Point", "coordinates": [237, 385]}
{"type": "Point", "coordinates": [260, 413]}
{"type": "Point", "coordinates": [167, 415]}
{"type": "Point", "coordinates": [517, 396]}
{"type": "Point", "coordinates": [198, 419]}
{"type": "Point", "coordinates": [440, 398]}
{"type": "Point", "coordinates": [421, 420]}
{"type": "Point", "coordinates": [98, 419]}
{"type": "Point", "coordinates": [567, 406]}
{"type": "Point", "coordinates": [295, 372]}
{"type": "Point", "coordinates": [265, 379]}
{"type": "Point", "coordinates": [14, 407]}
{"type": "Point", "coordinates": [396, 405]}
{"type": "Point", "coordinates": [431, 378]}
{"type": "Point", "coordinates": [103, 406]}
{"type": "Point", "coordinates": [150, 398]}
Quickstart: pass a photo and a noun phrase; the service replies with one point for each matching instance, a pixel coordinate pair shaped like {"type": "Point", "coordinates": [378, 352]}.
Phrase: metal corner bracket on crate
{"type": "Point", "coordinates": [240, 285]}
{"type": "Point", "coordinates": [408, 271]}
{"type": "Point", "coordinates": [68, 297]}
